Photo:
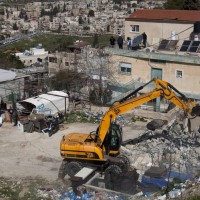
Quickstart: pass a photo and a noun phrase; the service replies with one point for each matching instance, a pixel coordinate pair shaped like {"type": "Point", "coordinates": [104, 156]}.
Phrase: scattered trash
{"type": "Point", "coordinates": [174, 193]}
{"type": "Point", "coordinates": [164, 197]}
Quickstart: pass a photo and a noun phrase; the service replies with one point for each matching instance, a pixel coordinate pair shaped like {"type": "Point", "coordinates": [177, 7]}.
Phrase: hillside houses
{"type": "Point", "coordinates": [166, 30]}
{"type": "Point", "coordinates": [61, 16]}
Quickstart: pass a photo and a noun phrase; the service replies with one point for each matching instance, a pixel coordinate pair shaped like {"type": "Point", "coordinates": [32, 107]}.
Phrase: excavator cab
{"type": "Point", "coordinates": [113, 140]}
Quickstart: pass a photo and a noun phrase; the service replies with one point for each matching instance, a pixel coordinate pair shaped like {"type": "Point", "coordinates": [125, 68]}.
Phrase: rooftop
{"type": "Point", "coordinates": [165, 15]}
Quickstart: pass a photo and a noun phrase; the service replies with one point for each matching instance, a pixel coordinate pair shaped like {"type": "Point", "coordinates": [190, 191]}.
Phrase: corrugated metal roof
{"type": "Point", "coordinates": [176, 15]}
{"type": "Point", "coordinates": [6, 75]}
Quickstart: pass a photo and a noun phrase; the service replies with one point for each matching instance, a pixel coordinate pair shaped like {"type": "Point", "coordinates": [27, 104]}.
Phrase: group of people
{"type": "Point", "coordinates": [120, 41]}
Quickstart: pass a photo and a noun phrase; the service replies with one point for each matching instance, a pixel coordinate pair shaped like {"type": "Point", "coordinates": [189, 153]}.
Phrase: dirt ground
{"type": "Point", "coordinates": [31, 156]}
{"type": "Point", "coordinates": [37, 155]}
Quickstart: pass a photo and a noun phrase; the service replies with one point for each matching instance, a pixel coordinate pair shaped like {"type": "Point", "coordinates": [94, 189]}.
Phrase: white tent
{"type": "Point", "coordinates": [50, 103]}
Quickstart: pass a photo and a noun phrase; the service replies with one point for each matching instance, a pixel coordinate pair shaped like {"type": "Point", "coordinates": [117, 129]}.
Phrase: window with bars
{"type": "Point", "coordinates": [125, 68]}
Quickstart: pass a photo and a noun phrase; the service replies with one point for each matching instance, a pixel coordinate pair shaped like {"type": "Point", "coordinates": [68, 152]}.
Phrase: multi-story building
{"type": "Point", "coordinates": [161, 24]}
{"type": "Point", "coordinates": [172, 53]}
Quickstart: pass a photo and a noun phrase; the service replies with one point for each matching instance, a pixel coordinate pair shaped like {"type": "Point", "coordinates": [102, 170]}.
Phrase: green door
{"type": "Point", "coordinates": [156, 73]}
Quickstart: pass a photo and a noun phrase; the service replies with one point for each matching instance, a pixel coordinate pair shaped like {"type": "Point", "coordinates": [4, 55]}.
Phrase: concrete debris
{"type": "Point", "coordinates": [169, 147]}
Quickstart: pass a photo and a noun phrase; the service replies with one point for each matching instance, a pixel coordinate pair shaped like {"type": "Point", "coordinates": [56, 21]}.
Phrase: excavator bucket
{"type": "Point", "coordinates": [156, 124]}
{"type": "Point", "coordinates": [196, 110]}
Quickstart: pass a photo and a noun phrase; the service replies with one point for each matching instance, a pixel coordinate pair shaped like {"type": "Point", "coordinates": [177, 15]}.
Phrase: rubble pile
{"type": "Point", "coordinates": [172, 147]}
{"type": "Point", "coordinates": [156, 152]}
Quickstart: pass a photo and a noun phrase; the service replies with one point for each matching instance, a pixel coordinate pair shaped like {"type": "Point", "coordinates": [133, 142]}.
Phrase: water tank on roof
{"type": "Point", "coordinates": [195, 35]}
{"type": "Point", "coordinates": [196, 27]}
{"type": "Point", "coordinates": [173, 35]}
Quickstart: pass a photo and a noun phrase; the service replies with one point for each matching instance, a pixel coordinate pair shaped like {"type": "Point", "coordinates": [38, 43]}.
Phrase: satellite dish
{"type": "Point", "coordinates": [137, 40]}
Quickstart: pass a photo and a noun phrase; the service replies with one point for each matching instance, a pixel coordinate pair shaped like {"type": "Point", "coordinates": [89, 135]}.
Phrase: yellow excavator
{"type": "Point", "coordinates": [102, 147]}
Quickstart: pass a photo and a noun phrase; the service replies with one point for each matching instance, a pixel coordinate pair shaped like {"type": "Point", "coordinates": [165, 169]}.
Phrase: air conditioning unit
{"type": "Point", "coordinates": [150, 49]}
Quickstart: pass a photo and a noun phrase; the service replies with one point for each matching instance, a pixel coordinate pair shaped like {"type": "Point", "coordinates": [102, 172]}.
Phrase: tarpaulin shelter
{"type": "Point", "coordinates": [50, 103]}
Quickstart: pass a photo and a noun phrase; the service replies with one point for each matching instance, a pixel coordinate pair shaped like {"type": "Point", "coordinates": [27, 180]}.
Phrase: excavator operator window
{"type": "Point", "coordinates": [115, 137]}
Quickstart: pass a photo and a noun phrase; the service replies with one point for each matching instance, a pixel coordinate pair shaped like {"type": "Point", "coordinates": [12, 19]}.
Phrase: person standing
{"type": "Point", "coordinates": [120, 42]}
{"type": "Point", "coordinates": [10, 111]}
{"type": "Point", "coordinates": [15, 117]}
{"type": "Point", "coordinates": [144, 39]}
{"type": "Point", "coordinates": [128, 43]}
{"type": "Point", "coordinates": [112, 41]}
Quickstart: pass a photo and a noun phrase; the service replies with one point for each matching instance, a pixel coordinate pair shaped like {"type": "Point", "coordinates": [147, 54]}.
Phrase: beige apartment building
{"type": "Point", "coordinates": [135, 68]}
{"type": "Point", "coordinates": [172, 52]}
{"type": "Point", "coordinates": [161, 24]}
{"type": "Point", "coordinates": [60, 61]}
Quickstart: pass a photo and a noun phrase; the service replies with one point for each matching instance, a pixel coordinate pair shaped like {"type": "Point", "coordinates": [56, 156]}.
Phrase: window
{"type": "Point", "coordinates": [158, 61]}
{"type": "Point", "coordinates": [179, 74]}
{"type": "Point", "coordinates": [125, 67]}
{"type": "Point", "coordinates": [52, 60]}
{"type": "Point", "coordinates": [134, 28]}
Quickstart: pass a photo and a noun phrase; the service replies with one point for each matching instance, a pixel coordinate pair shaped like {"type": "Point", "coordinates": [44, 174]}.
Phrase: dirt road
{"type": "Point", "coordinates": [35, 155]}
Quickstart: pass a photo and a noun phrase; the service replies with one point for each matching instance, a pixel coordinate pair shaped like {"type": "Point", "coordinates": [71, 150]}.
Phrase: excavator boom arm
{"type": "Point", "coordinates": [162, 89]}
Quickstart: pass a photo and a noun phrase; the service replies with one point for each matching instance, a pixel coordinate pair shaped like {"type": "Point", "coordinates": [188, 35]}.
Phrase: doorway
{"type": "Point", "coordinates": [156, 73]}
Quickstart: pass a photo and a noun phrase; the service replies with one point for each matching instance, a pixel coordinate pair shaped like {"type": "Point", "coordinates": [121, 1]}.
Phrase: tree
{"type": "Point", "coordinates": [51, 18]}
{"type": "Point", "coordinates": [15, 27]}
{"type": "Point", "coordinates": [80, 20]}
{"type": "Point", "coordinates": [86, 28]}
{"type": "Point", "coordinates": [91, 13]}
{"type": "Point", "coordinates": [191, 5]}
{"type": "Point", "coordinates": [134, 5]}
{"type": "Point", "coordinates": [117, 1]}
{"type": "Point", "coordinates": [95, 41]}
{"type": "Point", "coordinates": [26, 17]}
{"type": "Point", "coordinates": [42, 12]}
{"type": "Point", "coordinates": [115, 7]}
{"type": "Point", "coordinates": [59, 28]}
{"type": "Point", "coordinates": [174, 4]}
{"type": "Point", "coordinates": [182, 4]}
{"type": "Point", "coordinates": [64, 8]}
{"type": "Point", "coordinates": [98, 63]}
{"type": "Point", "coordinates": [55, 11]}
{"type": "Point", "coordinates": [9, 61]}
{"type": "Point", "coordinates": [21, 14]}
{"type": "Point", "coordinates": [67, 80]}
